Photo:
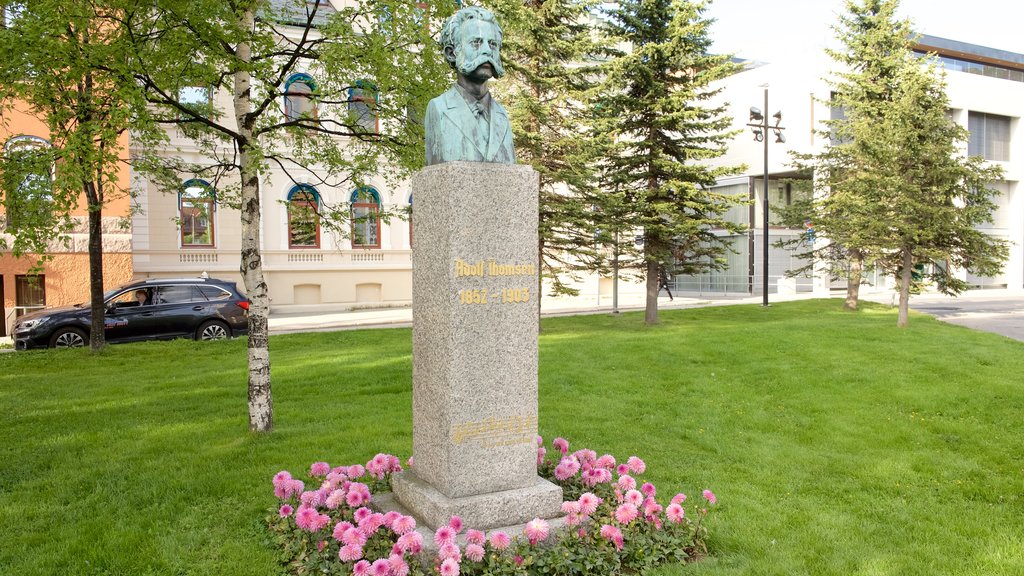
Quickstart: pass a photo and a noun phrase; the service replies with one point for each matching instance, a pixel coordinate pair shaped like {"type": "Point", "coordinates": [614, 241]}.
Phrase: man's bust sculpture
{"type": "Point", "coordinates": [465, 123]}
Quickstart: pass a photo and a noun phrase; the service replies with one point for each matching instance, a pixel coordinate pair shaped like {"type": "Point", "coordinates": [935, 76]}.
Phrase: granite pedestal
{"type": "Point", "coordinates": [475, 348]}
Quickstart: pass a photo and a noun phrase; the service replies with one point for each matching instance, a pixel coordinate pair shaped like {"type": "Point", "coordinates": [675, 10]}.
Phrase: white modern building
{"type": "Point", "coordinates": [986, 92]}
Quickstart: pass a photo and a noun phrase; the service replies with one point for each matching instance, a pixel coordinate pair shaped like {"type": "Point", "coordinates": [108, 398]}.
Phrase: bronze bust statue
{"type": "Point", "coordinates": [465, 123]}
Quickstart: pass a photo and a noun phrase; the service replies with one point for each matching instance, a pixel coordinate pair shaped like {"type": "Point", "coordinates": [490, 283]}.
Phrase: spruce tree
{"type": "Point", "coordinates": [891, 188]}
{"type": "Point", "coordinates": [657, 110]}
{"type": "Point", "coordinates": [550, 51]}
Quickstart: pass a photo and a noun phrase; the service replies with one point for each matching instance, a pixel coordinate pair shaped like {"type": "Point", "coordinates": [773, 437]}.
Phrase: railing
{"type": "Point", "coordinates": [735, 284]}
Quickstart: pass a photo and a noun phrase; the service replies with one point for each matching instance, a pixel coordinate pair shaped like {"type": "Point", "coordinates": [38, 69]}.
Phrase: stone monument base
{"type": "Point", "coordinates": [482, 511]}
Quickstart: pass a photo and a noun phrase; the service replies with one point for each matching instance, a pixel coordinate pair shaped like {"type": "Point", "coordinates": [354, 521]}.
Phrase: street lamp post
{"type": "Point", "coordinates": [759, 126]}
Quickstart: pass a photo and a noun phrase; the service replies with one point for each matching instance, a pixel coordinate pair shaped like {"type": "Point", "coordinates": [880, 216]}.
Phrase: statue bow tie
{"type": "Point", "coordinates": [478, 109]}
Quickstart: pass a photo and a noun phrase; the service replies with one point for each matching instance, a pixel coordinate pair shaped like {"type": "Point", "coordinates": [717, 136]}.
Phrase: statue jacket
{"type": "Point", "coordinates": [451, 132]}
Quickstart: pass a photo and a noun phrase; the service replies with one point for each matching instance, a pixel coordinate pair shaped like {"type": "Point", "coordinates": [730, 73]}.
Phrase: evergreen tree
{"type": "Point", "coordinates": [550, 51]}
{"type": "Point", "coordinates": [891, 185]}
{"type": "Point", "coordinates": [58, 63]}
{"type": "Point", "coordinates": [657, 110]}
{"type": "Point", "coordinates": [382, 50]}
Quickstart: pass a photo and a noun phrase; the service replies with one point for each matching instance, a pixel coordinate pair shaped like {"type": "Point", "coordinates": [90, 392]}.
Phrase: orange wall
{"type": "Point", "coordinates": [18, 121]}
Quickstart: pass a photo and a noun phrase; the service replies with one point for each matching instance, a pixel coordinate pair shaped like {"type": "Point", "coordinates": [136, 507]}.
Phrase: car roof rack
{"type": "Point", "coordinates": [161, 280]}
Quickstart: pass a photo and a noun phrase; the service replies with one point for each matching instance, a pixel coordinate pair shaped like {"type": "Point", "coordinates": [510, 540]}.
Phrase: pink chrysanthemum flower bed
{"type": "Point", "coordinates": [614, 523]}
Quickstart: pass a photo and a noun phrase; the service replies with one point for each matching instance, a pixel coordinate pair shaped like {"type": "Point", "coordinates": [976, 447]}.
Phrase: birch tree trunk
{"type": "Point", "coordinates": [853, 280]}
{"type": "Point", "coordinates": [906, 270]}
{"type": "Point", "coordinates": [260, 401]}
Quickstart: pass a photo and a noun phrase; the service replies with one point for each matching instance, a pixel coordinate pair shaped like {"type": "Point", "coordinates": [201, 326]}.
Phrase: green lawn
{"type": "Point", "coordinates": [836, 444]}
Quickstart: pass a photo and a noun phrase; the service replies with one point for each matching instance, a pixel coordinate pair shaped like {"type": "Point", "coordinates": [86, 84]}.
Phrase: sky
{"type": "Point", "coordinates": [798, 25]}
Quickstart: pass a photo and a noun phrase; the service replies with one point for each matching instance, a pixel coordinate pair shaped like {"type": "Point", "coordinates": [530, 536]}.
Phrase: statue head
{"type": "Point", "coordinates": [471, 39]}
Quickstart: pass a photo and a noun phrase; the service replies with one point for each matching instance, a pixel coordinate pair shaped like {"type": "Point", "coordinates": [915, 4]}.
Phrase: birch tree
{"type": "Point", "coordinates": [249, 48]}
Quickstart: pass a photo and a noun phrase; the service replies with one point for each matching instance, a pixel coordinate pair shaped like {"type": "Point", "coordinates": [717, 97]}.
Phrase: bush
{"type": "Point", "coordinates": [613, 524]}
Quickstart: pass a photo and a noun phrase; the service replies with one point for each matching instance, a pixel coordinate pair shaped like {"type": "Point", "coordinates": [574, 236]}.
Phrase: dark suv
{"type": "Point", "coordinates": [200, 308]}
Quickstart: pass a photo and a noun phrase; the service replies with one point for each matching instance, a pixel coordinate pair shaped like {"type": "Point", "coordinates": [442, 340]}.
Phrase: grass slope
{"type": "Point", "coordinates": [836, 443]}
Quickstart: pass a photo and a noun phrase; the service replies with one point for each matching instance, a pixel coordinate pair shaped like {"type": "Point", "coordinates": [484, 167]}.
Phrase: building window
{"type": "Point", "coordinates": [299, 99]}
{"type": "Point", "coordinates": [28, 182]}
{"type": "Point", "coordinates": [29, 294]}
{"type": "Point", "coordinates": [990, 136]}
{"type": "Point", "coordinates": [303, 217]}
{"type": "Point", "coordinates": [365, 218]}
{"type": "Point", "coordinates": [197, 200]}
{"type": "Point", "coordinates": [362, 106]}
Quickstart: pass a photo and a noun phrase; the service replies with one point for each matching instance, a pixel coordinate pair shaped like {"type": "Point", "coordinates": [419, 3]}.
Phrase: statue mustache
{"type": "Point", "coordinates": [466, 68]}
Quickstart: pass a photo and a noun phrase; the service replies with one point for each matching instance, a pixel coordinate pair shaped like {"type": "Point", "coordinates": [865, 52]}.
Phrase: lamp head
{"type": "Point", "coordinates": [755, 114]}
{"type": "Point", "coordinates": [758, 134]}
{"type": "Point", "coordinates": [778, 117]}
{"type": "Point", "coordinates": [780, 138]}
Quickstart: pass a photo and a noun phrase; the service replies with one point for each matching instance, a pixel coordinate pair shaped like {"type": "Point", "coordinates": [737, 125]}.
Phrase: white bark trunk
{"type": "Point", "coordinates": [260, 401]}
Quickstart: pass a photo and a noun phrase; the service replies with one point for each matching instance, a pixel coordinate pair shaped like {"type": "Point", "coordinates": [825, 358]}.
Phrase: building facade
{"type": "Point", "coordinates": [64, 276]}
{"type": "Point", "coordinates": [986, 92]}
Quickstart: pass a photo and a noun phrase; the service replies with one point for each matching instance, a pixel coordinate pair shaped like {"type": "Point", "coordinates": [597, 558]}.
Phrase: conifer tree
{"type": "Point", "coordinates": [664, 128]}
{"type": "Point", "coordinates": [891, 188]}
{"type": "Point", "coordinates": [550, 51]}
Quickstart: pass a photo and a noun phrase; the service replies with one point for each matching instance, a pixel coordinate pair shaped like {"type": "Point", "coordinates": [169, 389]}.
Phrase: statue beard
{"type": "Point", "coordinates": [466, 68]}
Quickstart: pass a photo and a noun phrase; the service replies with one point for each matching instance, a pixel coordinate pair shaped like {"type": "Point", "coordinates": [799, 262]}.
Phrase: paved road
{"type": "Point", "coordinates": [999, 311]}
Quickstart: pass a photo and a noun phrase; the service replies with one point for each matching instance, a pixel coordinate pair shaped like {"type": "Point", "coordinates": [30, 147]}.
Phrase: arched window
{"type": "Point", "coordinates": [299, 100]}
{"type": "Point", "coordinates": [196, 201]}
{"type": "Point", "coordinates": [303, 217]}
{"type": "Point", "coordinates": [362, 106]}
{"type": "Point", "coordinates": [365, 218]}
{"type": "Point", "coordinates": [27, 172]}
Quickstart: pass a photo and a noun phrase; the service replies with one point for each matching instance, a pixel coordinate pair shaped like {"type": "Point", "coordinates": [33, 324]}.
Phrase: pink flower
{"type": "Point", "coordinates": [337, 476]}
{"type": "Point", "coordinates": [311, 498]}
{"type": "Point", "coordinates": [444, 535]}
{"type": "Point", "coordinates": [679, 498]}
{"type": "Point", "coordinates": [562, 473]}
{"type": "Point", "coordinates": [710, 496]}
{"type": "Point", "coordinates": [475, 552]}
{"type": "Point", "coordinates": [540, 440]}
{"type": "Point", "coordinates": [455, 524]}
{"type": "Point", "coordinates": [582, 533]}
{"type": "Point", "coordinates": [622, 469]}
{"type": "Point", "coordinates": [518, 560]}
{"type": "Point", "coordinates": [340, 528]}
{"type": "Point", "coordinates": [475, 537]}
{"type": "Point", "coordinates": [409, 462]}
{"type": "Point", "coordinates": [390, 518]}
{"type": "Point", "coordinates": [648, 489]}
{"type": "Point", "coordinates": [355, 471]}
{"type": "Point", "coordinates": [588, 503]}
{"type": "Point", "coordinates": [651, 507]}
{"type": "Point", "coordinates": [626, 482]}
{"type": "Point", "coordinates": [335, 499]}
{"type": "Point", "coordinates": [354, 536]}
{"type": "Point", "coordinates": [562, 445]}
{"type": "Point", "coordinates": [319, 469]}
{"type": "Point", "coordinates": [350, 553]}
{"type": "Point", "coordinates": [626, 513]}
{"type": "Point", "coordinates": [500, 540]}
{"type": "Point", "coordinates": [320, 545]}
{"type": "Point", "coordinates": [361, 568]}
{"type": "Point", "coordinates": [281, 477]}
{"type": "Point", "coordinates": [573, 519]}
{"type": "Point", "coordinates": [410, 542]}
{"type": "Point", "coordinates": [585, 456]}
{"type": "Point", "coordinates": [613, 535]}
{"type": "Point", "coordinates": [636, 465]}
{"type": "Point", "coordinates": [358, 494]}
{"type": "Point", "coordinates": [362, 515]}
{"type": "Point", "coordinates": [307, 518]}
{"type": "Point", "coordinates": [285, 511]}
{"type": "Point", "coordinates": [571, 506]}
{"type": "Point", "coordinates": [380, 568]}
{"type": "Point", "coordinates": [449, 550]}
{"type": "Point", "coordinates": [606, 461]}
{"type": "Point", "coordinates": [403, 525]}
{"type": "Point", "coordinates": [541, 453]}
{"type": "Point", "coordinates": [675, 513]}
{"type": "Point", "coordinates": [449, 567]}
{"type": "Point", "coordinates": [398, 565]}
{"type": "Point", "coordinates": [634, 497]}
{"type": "Point", "coordinates": [536, 530]}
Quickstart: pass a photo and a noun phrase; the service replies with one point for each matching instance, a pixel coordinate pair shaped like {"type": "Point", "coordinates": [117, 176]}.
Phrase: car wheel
{"type": "Point", "coordinates": [212, 330]}
{"type": "Point", "coordinates": [68, 338]}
